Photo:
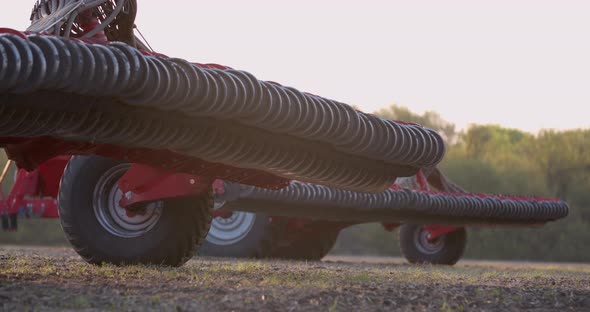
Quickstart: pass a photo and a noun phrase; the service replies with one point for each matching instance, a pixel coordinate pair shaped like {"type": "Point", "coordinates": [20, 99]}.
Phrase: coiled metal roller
{"type": "Point", "coordinates": [105, 121]}
{"type": "Point", "coordinates": [31, 63]}
{"type": "Point", "coordinates": [397, 204]}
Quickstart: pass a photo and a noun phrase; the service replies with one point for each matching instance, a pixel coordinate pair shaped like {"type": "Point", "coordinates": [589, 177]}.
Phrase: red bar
{"type": "Point", "coordinates": [142, 184]}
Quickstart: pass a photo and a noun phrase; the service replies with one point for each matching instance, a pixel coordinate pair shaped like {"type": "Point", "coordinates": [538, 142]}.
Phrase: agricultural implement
{"type": "Point", "coordinates": [151, 134]}
{"type": "Point", "coordinates": [237, 233]}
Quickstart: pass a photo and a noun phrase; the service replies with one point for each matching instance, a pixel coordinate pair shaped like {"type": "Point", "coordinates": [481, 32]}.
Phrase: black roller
{"type": "Point", "coordinates": [117, 70]}
{"type": "Point", "coordinates": [317, 201]}
{"type": "Point", "coordinates": [106, 121]}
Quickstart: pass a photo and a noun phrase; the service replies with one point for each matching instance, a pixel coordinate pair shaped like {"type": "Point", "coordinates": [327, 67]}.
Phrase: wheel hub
{"type": "Point", "coordinates": [426, 245]}
{"type": "Point", "coordinates": [230, 230]}
{"type": "Point", "coordinates": [116, 219]}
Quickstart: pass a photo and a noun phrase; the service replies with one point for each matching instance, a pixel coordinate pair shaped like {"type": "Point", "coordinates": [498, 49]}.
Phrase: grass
{"type": "Point", "coordinates": [46, 279]}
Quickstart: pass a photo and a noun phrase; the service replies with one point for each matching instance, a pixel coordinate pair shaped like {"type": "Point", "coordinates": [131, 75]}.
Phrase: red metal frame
{"type": "Point", "coordinates": [30, 153]}
{"type": "Point", "coordinates": [34, 193]}
{"type": "Point", "coordinates": [142, 184]}
{"type": "Point", "coordinates": [155, 175]}
{"type": "Point", "coordinates": [435, 231]}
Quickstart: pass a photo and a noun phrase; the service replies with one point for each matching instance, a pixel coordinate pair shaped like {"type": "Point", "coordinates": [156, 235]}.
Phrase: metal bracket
{"type": "Point", "coordinates": [143, 184]}
{"type": "Point", "coordinates": [436, 231]}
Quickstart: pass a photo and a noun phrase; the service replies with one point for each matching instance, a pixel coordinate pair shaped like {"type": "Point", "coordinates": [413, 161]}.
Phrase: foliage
{"type": "Point", "coordinates": [429, 119]}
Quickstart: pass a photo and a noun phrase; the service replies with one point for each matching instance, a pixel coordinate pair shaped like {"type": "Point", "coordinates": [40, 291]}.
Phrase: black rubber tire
{"type": "Point", "coordinates": [273, 239]}
{"type": "Point", "coordinates": [453, 246]}
{"type": "Point", "coordinates": [248, 247]}
{"type": "Point", "coordinates": [172, 241]}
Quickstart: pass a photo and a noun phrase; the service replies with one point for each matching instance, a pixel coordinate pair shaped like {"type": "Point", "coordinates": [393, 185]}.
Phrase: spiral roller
{"type": "Point", "coordinates": [399, 202]}
{"type": "Point", "coordinates": [35, 62]}
{"type": "Point", "coordinates": [105, 121]}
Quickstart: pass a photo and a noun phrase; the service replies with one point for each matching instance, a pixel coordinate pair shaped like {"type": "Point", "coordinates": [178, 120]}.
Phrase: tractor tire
{"type": "Point", "coordinates": [165, 233]}
{"type": "Point", "coordinates": [256, 235]}
{"type": "Point", "coordinates": [445, 250]}
{"type": "Point", "coordinates": [239, 236]}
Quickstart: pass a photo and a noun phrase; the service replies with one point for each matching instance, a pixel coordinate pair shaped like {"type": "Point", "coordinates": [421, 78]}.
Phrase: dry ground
{"type": "Point", "coordinates": [38, 279]}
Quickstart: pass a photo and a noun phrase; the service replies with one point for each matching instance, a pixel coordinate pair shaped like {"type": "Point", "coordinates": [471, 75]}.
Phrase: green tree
{"type": "Point", "coordinates": [429, 119]}
{"type": "Point", "coordinates": [563, 158]}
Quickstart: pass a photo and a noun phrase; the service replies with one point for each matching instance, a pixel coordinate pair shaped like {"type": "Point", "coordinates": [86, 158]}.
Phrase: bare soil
{"type": "Point", "coordinates": [55, 279]}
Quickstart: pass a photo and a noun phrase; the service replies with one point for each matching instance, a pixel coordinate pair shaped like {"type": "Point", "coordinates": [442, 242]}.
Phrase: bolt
{"type": "Point", "coordinates": [192, 181]}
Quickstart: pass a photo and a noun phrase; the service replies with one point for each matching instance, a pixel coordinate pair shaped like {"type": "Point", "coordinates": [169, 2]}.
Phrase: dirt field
{"type": "Point", "coordinates": [33, 279]}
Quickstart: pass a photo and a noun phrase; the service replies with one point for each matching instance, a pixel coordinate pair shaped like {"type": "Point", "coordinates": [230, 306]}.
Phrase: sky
{"type": "Point", "coordinates": [519, 64]}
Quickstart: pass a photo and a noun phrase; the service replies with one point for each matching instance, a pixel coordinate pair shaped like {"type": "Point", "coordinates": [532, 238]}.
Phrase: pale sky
{"type": "Point", "coordinates": [520, 64]}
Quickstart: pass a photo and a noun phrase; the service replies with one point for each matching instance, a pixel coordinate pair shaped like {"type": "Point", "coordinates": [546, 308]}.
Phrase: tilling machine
{"type": "Point", "coordinates": [238, 233]}
{"type": "Point", "coordinates": [150, 134]}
